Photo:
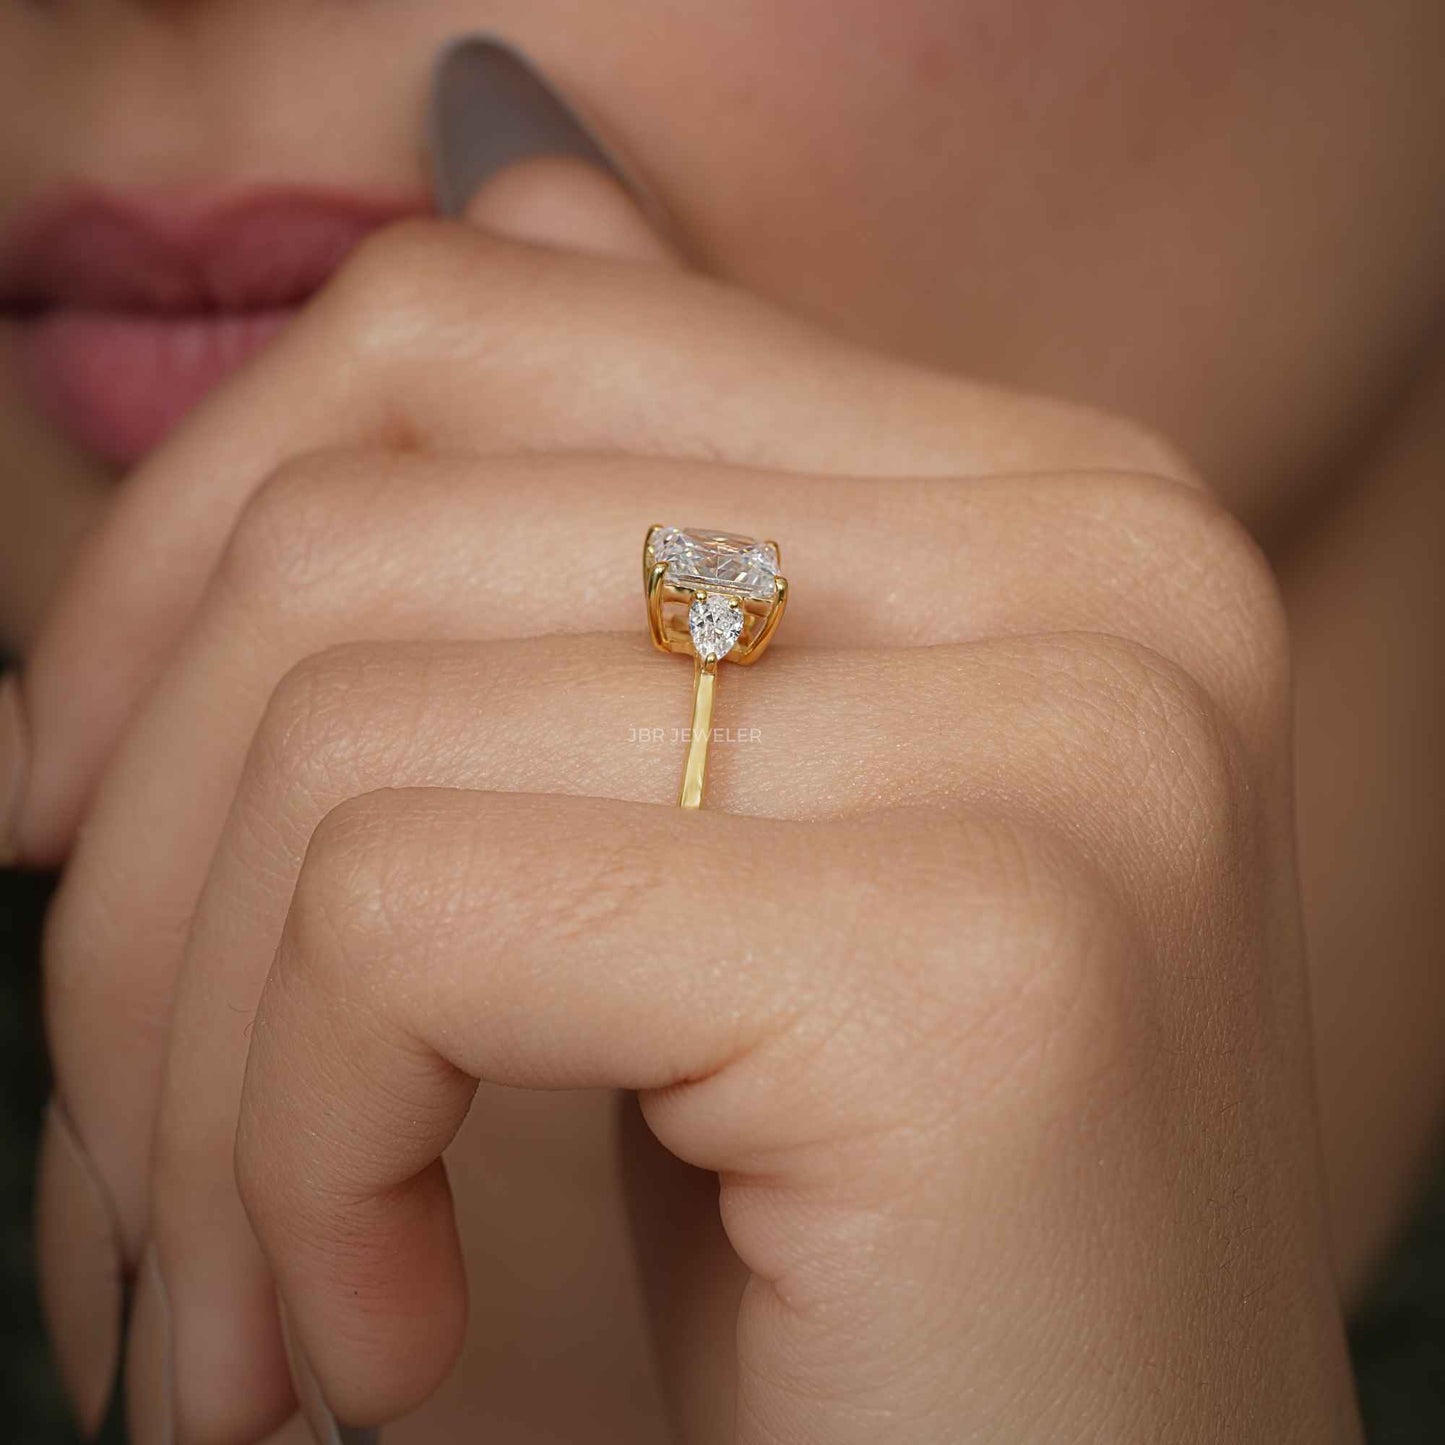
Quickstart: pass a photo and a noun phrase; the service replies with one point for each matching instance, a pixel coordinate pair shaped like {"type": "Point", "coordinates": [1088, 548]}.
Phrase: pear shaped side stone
{"type": "Point", "coordinates": [715, 623]}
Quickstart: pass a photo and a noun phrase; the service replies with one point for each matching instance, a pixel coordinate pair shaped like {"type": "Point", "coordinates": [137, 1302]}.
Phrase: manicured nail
{"type": "Point", "coordinates": [323, 1423]}
{"type": "Point", "coordinates": [81, 1279]}
{"type": "Point", "coordinates": [149, 1376]}
{"type": "Point", "coordinates": [14, 747]}
{"type": "Point", "coordinates": [489, 108]}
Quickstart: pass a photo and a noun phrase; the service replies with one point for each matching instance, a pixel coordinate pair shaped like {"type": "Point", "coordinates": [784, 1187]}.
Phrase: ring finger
{"type": "Point", "coordinates": [439, 338]}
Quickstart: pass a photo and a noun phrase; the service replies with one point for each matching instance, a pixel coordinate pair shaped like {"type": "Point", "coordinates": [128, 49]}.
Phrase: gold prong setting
{"type": "Point", "coordinates": [710, 595]}
{"type": "Point", "coordinates": [729, 574]}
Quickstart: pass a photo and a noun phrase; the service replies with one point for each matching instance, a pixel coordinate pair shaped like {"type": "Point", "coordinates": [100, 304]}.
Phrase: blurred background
{"type": "Point", "coordinates": [32, 1410]}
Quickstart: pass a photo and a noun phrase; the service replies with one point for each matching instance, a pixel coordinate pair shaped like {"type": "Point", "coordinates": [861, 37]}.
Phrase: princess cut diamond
{"type": "Point", "coordinates": [701, 560]}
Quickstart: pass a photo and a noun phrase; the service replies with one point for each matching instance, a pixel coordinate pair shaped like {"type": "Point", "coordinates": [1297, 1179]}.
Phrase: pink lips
{"type": "Point", "coordinates": [131, 312]}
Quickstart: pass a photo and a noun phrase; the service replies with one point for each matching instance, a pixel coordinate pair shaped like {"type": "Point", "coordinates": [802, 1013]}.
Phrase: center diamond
{"type": "Point", "coordinates": [701, 560]}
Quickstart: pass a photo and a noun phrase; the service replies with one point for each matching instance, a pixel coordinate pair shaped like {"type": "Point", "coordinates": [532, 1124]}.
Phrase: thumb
{"type": "Point", "coordinates": [511, 156]}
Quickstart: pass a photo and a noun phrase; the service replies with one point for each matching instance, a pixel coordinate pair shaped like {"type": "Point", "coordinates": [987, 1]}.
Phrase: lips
{"type": "Point", "coordinates": [128, 313]}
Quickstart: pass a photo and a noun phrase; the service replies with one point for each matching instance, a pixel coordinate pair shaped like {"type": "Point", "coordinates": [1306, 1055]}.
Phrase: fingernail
{"type": "Point", "coordinates": [149, 1381]}
{"type": "Point", "coordinates": [489, 108]}
{"type": "Point", "coordinates": [81, 1281]}
{"type": "Point", "coordinates": [13, 751]}
{"type": "Point", "coordinates": [323, 1423]}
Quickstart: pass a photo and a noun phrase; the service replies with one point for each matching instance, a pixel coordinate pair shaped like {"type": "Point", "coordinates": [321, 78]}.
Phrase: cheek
{"type": "Point", "coordinates": [827, 150]}
{"type": "Point", "coordinates": [1113, 80]}
{"type": "Point", "coordinates": [996, 138]}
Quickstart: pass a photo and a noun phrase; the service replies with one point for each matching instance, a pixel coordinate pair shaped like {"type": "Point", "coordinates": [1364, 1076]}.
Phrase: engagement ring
{"type": "Point", "coordinates": [712, 595]}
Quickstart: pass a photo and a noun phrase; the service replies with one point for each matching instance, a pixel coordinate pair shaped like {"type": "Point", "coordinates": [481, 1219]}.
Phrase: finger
{"type": "Point", "coordinates": [692, 1282]}
{"type": "Point", "coordinates": [1106, 735]}
{"type": "Point", "coordinates": [513, 157]}
{"type": "Point", "coordinates": [910, 1115]}
{"type": "Point", "coordinates": [331, 553]}
{"type": "Point", "coordinates": [569, 206]}
{"type": "Point", "coordinates": [363, 1063]}
{"type": "Point", "coordinates": [438, 337]}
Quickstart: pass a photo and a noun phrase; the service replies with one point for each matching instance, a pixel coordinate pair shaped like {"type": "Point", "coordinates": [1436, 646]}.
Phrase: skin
{"type": "Point", "coordinates": [1010, 1052]}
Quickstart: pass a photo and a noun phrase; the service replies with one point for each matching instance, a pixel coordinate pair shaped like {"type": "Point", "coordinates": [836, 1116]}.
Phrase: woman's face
{"type": "Point", "coordinates": [1221, 216]}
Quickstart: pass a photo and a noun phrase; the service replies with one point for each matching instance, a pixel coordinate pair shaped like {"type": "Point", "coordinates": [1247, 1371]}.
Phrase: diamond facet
{"type": "Point", "coordinates": [701, 560]}
{"type": "Point", "coordinates": [716, 623]}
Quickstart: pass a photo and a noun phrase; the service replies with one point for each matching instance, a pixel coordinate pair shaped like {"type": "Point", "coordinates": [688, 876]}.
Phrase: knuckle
{"type": "Point", "coordinates": [308, 741]}
{"type": "Point", "coordinates": [1126, 751]}
{"type": "Point", "coordinates": [1019, 956]}
{"type": "Point", "coordinates": [1237, 593]}
{"type": "Point", "coordinates": [1006, 977]}
{"type": "Point", "coordinates": [397, 277]}
{"type": "Point", "coordinates": [284, 544]}
{"type": "Point", "coordinates": [388, 259]}
{"type": "Point", "coordinates": [1230, 596]}
{"type": "Point", "coordinates": [424, 278]}
{"type": "Point", "coordinates": [1159, 756]}
{"type": "Point", "coordinates": [350, 887]}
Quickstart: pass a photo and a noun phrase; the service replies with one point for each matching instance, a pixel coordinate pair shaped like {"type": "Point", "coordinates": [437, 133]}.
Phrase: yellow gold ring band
{"type": "Point", "coordinates": [714, 596]}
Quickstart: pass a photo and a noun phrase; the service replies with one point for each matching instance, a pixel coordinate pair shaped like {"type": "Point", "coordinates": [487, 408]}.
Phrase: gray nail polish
{"type": "Point", "coordinates": [489, 108]}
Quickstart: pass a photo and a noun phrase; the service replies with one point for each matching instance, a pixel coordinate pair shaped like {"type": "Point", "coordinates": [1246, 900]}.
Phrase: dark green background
{"type": "Point", "coordinates": [1399, 1343]}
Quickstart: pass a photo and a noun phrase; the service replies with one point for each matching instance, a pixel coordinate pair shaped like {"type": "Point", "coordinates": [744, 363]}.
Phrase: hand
{"type": "Point", "coordinates": [997, 1036]}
